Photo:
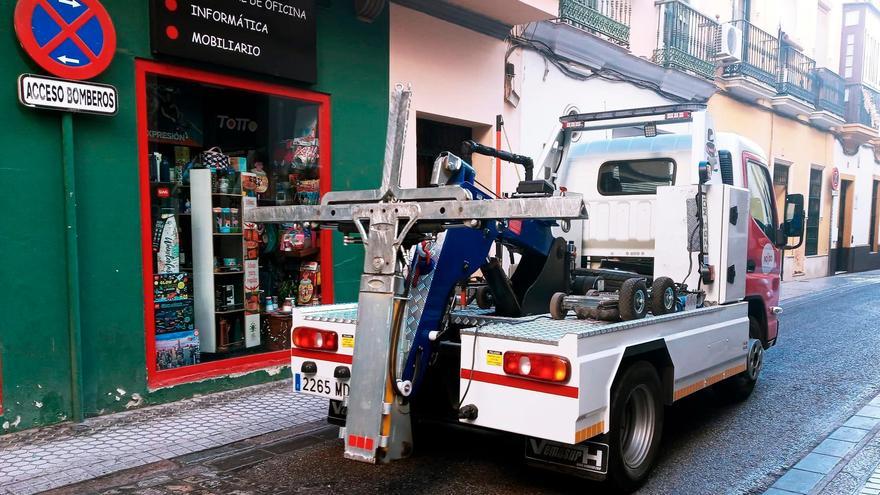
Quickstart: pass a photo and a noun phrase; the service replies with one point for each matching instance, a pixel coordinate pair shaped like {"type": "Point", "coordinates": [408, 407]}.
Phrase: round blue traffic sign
{"type": "Point", "coordinates": [73, 39]}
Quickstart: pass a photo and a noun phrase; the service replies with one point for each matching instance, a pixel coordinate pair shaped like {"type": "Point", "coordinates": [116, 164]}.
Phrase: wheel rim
{"type": "Point", "coordinates": [637, 427]}
{"type": "Point", "coordinates": [668, 298]}
{"type": "Point", "coordinates": [756, 359]}
{"type": "Point", "coordinates": [639, 302]}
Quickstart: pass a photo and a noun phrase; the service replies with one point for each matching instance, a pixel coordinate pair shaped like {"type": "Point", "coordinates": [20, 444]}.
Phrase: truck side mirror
{"type": "Point", "coordinates": [793, 225]}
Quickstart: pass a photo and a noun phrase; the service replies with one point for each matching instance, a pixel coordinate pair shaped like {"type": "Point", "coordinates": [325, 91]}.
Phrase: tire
{"type": "Point", "coordinates": [557, 311]}
{"type": "Point", "coordinates": [633, 299]}
{"type": "Point", "coordinates": [662, 296]}
{"type": "Point", "coordinates": [485, 298]}
{"type": "Point", "coordinates": [739, 387]}
{"type": "Point", "coordinates": [636, 426]}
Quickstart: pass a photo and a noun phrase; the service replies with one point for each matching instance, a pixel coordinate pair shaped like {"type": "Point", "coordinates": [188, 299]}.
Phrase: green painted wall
{"type": "Point", "coordinates": [34, 347]}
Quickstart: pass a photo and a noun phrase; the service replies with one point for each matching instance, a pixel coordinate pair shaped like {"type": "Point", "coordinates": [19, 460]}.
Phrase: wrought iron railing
{"type": "Point", "coordinates": [607, 18]}
{"type": "Point", "coordinates": [862, 105]}
{"type": "Point", "coordinates": [685, 39]}
{"type": "Point", "coordinates": [795, 73]}
{"type": "Point", "coordinates": [760, 55]}
{"type": "Point", "coordinates": [828, 91]}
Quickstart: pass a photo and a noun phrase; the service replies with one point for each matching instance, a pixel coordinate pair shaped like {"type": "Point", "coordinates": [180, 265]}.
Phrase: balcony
{"type": "Point", "coordinates": [605, 18]}
{"type": "Point", "coordinates": [686, 39]}
{"type": "Point", "coordinates": [794, 96]}
{"type": "Point", "coordinates": [755, 75]}
{"type": "Point", "coordinates": [796, 74]}
{"type": "Point", "coordinates": [862, 117]}
{"type": "Point", "coordinates": [828, 89]}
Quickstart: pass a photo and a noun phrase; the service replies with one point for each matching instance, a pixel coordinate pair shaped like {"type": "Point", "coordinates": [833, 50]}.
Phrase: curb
{"type": "Point", "coordinates": [814, 471]}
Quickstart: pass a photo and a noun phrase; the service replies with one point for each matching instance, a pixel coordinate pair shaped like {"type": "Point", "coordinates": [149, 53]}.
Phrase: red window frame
{"type": "Point", "coordinates": [185, 374]}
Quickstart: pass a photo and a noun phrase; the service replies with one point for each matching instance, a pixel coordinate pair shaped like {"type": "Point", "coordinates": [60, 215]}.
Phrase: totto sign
{"type": "Point", "coordinates": [73, 39]}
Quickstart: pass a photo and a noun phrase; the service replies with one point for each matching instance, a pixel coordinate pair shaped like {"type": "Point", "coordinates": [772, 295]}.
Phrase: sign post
{"type": "Point", "coordinates": [70, 39]}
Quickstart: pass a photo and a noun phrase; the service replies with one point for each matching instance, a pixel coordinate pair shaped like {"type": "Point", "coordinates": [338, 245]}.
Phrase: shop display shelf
{"type": "Point", "coordinates": [228, 233]}
{"type": "Point", "coordinates": [301, 253]}
{"type": "Point", "coordinates": [238, 272]}
{"type": "Point", "coordinates": [234, 195]}
{"type": "Point", "coordinates": [229, 311]}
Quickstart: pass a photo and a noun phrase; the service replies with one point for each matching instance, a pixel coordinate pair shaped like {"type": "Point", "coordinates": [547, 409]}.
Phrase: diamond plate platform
{"type": "Point", "coordinates": [332, 313]}
{"type": "Point", "coordinates": [542, 329]}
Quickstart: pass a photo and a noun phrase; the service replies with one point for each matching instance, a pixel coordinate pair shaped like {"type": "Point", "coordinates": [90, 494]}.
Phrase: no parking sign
{"type": "Point", "coordinates": [73, 39]}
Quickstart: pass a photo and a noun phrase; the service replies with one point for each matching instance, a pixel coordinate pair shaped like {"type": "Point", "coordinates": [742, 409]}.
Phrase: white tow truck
{"type": "Point", "coordinates": [639, 302]}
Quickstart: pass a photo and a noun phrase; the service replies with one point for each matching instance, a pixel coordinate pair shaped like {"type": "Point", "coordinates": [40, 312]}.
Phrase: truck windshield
{"type": "Point", "coordinates": [636, 176]}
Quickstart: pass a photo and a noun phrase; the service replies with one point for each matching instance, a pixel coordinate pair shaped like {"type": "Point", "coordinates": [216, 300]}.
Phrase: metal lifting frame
{"type": "Point", "coordinates": [378, 422]}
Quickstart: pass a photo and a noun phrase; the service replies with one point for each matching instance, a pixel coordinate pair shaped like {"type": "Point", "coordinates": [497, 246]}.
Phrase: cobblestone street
{"type": "Point", "coordinates": [46, 458]}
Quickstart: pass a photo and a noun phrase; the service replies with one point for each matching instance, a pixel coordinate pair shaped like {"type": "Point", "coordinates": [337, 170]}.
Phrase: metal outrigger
{"type": "Point", "coordinates": [389, 220]}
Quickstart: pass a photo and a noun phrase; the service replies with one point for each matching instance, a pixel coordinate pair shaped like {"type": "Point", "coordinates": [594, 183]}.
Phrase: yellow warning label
{"type": "Point", "coordinates": [347, 340]}
{"type": "Point", "coordinates": [493, 358]}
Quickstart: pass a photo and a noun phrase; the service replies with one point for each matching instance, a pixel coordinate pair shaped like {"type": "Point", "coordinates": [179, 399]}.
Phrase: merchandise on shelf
{"type": "Point", "coordinates": [168, 254]}
{"type": "Point", "coordinates": [309, 291]}
{"type": "Point", "coordinates": [177, 349]}
{"type": "Point", "coordinates": [171, 287]}
{"type": "Point", "coordinates": [174, 316]}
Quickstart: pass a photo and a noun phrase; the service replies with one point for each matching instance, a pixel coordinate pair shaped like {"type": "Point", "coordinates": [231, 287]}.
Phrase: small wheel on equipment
{"type": "Point", "coordinates": [557, 311]}
{"type": "Point", "coordinates": [662, 296]}
{"type": "Point", "coordinates": [485, 299]}
{"type": "Point", "coordinates": [633, 299]}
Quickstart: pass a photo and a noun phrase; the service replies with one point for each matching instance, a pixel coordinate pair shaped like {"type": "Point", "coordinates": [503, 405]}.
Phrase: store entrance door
{"type": "Point", "coordinates": [844, 226]}
{"type": "Point", "coordinates": [433, 138]}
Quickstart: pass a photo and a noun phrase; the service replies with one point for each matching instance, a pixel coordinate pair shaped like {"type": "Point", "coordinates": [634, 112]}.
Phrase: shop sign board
{"type": "Point", "coordinates": [73, 39]}
{"type": "Point", "coordinates": [275, 37]}
{"type": "Point", "coordinates": [71, 96]}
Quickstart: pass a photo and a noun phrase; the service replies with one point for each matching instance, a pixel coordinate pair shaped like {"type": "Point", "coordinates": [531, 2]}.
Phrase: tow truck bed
{"type": "Point", "coordinates": [691, 349]}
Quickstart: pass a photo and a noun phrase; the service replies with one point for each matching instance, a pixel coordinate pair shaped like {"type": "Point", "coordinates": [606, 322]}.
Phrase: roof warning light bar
{"type": "Point", "coordinates": [666, 114]}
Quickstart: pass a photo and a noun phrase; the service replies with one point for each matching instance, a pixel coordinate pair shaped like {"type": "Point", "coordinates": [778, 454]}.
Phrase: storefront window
{"type": "Point", "coordinates": [221, 288]}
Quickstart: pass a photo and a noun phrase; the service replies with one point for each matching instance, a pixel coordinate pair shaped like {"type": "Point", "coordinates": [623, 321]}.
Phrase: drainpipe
{"type": "Point", "coordinates": [72, 248]}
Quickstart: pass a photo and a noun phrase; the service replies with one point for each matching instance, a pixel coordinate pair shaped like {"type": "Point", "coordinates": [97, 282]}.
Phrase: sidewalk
{"type": "Point", "coordinates": [54, 456]}
{"type": "Point", "coordinates": [800, 288]}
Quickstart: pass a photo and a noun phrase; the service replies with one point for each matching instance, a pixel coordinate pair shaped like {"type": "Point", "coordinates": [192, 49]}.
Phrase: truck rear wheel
{"type": "Point", "coordinates": [636, 426]}
{"type": "Point", "coordinates": [633, 299]}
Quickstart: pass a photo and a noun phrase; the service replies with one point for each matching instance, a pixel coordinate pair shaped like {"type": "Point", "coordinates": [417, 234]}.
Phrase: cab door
{"type": "Point", "coordinates": [764, 259]}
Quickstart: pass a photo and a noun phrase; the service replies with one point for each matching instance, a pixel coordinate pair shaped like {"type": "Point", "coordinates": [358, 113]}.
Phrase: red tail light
{"type": "Point", "coordinates": [312, 338]}
{"type": "Point", "coordinates": [544, 367]}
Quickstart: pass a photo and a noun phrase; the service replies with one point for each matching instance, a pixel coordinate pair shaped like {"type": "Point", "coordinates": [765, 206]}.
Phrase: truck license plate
{"type": "Point", "coordinates": [586, 456]}
{"type": "Point", "coordinates": [316, 385]}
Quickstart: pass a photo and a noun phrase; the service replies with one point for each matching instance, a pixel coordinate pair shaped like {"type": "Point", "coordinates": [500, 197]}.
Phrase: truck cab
{"type": "Point", "coordinates": [617, 160]}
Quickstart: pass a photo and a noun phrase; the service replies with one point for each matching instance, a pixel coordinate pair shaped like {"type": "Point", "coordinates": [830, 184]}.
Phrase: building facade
{"type": "Point", "coordinates": [66, 357]}
{"type": "Point", "coordinates": [794, 80]}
